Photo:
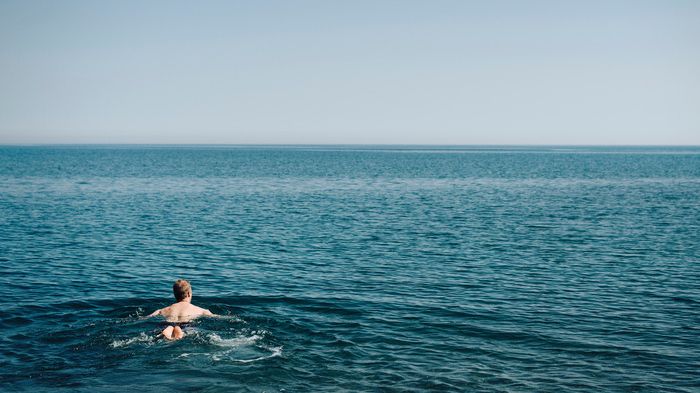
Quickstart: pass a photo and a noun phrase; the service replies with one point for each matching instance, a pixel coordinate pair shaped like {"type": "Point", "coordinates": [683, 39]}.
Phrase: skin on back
{"type": "Point", "coordinates": [180, 312]}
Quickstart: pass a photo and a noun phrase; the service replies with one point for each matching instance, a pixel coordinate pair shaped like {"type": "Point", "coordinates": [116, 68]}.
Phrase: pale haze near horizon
{"type": "Point", "coordinates": [354, 72]}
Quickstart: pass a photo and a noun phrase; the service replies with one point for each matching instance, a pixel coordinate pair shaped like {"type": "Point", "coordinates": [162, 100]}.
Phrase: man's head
{"type": "Point", "coordinates": [182, 290]}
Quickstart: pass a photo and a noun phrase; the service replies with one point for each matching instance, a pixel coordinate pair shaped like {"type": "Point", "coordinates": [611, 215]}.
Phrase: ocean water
{"type": "Point", "coordinates": [352, 268]}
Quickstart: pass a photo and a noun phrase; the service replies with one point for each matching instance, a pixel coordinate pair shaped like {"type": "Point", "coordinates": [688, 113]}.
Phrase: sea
{"type": "Point", "coordinates": [351, 268]}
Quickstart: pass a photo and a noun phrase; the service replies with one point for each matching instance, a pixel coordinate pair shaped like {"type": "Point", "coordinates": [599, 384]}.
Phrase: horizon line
{"type": "Point", "coordinates": [356, 144]}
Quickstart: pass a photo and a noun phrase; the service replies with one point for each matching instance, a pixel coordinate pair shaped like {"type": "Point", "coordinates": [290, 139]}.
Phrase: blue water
{"type": "Point", "coordinates": [352, 268]}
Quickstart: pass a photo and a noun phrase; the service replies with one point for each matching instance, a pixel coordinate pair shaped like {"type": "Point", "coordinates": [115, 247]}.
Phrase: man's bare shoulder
{"type": "Point", "coordinates": [201, 311]}
{"type": "Point", "coordinates": [182, 311]}
{"type": "Point", "coordinates": [165, 311]}
{"type": "Point", "coordinates": [162, 311]}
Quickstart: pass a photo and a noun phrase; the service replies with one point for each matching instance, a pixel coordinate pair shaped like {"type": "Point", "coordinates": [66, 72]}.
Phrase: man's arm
{"type": "Point", "coordinates": [154, 313]}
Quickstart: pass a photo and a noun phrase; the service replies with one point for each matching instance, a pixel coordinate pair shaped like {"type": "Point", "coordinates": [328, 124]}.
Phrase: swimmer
{"type": "Point", "coordinates": [181, 312]}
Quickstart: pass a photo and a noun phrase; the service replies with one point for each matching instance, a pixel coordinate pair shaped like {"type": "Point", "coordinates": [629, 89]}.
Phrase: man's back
{"type": "Point", "coordinates": [182, 312]}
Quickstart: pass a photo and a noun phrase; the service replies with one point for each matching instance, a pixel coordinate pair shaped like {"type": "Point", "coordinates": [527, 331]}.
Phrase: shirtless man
{"type": "Point", "coordinates": [181, 312]}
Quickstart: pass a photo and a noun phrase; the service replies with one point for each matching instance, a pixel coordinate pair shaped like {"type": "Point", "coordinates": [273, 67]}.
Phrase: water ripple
{"type": "Point", "coordinates": [338, 269]}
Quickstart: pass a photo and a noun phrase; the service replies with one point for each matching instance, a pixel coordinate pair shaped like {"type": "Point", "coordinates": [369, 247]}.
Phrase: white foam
{"type": "Point", "coordinates": [232, 342]}
{"type": "Point", "coordinates": [141, 338]}
{"type": "Point", "coordinates": [225, 356]}
{"type": "Point", "coordinates": [276, 351]}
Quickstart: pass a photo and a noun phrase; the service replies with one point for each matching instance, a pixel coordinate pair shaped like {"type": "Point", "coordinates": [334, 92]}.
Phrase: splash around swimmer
{"type": "Point", "coordinates": [181, 312]}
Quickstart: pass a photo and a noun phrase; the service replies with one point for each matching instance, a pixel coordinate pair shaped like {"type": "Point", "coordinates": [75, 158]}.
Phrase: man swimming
{"type": "Point", "coordinates": [181, 312]}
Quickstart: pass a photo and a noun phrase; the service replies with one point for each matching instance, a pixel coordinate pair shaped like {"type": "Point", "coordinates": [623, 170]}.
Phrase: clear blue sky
{"type": "Point", "coordinates": [405, 72]}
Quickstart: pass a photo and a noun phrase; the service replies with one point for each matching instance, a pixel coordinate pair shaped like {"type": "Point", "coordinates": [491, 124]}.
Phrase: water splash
{"type": "Point", "coordinates": [142, 338]}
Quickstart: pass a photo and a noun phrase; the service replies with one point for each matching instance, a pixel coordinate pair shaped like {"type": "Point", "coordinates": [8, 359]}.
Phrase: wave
{"type": "Point", "coordinates": [276, 351]}
{"type": "Point", "coordinates": [226, 344]}
{"type": "Point", "coordinates": [215, 339]}
{"type": "Point", "coordinates": [141, 338]}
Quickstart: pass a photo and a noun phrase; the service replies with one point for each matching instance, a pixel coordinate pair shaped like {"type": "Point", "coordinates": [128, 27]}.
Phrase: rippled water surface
{"type": "Point", "coordinates": [495, 269]}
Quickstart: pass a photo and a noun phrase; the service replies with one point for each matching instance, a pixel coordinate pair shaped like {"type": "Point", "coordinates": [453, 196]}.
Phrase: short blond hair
{"type": "Point", "coordinates": [182, 289]}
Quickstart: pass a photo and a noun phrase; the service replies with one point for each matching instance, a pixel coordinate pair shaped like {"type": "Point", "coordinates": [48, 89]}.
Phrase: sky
{"type": "Point", "coordinates": [350, 72]}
